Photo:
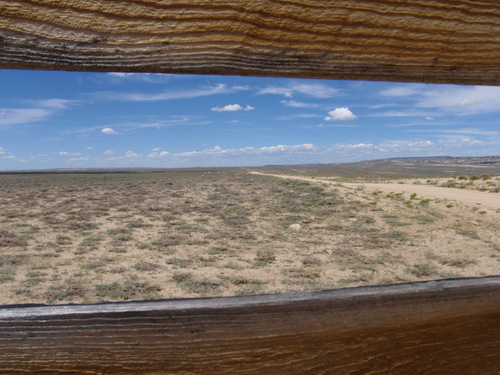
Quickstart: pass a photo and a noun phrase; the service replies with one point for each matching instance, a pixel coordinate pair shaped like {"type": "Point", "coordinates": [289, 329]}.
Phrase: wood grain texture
{"type": "Point", "coordinates": [456, 41]}
{"type": "Point", "coordinates": [439, 327]}
{"type": "Point", "coordinates": [442, 327]}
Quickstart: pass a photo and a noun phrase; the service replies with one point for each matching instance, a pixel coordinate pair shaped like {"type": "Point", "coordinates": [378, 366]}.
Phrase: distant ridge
{"type": "Point", "coordinates": [414, 166]}
{"type": "Point", "coordinates": [407, 166]}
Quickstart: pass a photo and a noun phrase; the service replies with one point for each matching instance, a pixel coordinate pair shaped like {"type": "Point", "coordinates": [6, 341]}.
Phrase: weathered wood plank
{"type": "Point", "coordinates": [442, 327]}
{"type": "Point", "coordinates": [439, 327]}
{"type": "Point", "coordinates": [455, 41]}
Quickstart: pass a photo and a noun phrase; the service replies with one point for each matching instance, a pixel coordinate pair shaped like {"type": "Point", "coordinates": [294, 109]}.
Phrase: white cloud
{"type": "Point", "coordinates": [56, 103]}
{"type": "Point", "coordinates": [361, 146]}
{"type": "Point", "coordinates": [241, 88]}
{"type": "Point", "coordinates": [156, 149]}
{"type": "Point", "coordinates": [310, 153]}
{"type": "Point", "coordinates": [341, 114]}
{"type": "Point", "coordinates": [153, 78]}
{"type": "Point", "coordinates": [131, 154]}
{"type": "Point", "coordinates": [109, 131]}
{"type": "Point", "coordinates": [132, 126]}
{"type": "Point", "coordinates": [405, 113]}
{"type": "Point", "coordinates": [168, 95]}
{"type": "Point", "coordinates": [148, 77]}
{"type": "Point", "coordinates": [10, 157]}
{"type": "Point", "coordinates": [459, 142]}
{"type": "Point", "coordinates": [420, 145]}
{"type": "Point", "coordinates": [466, 102]}
{"type": "Point", "coordinates": [302, 153]}
{"type": "Point", "coordinates": [310, 89]}
{"type": "Point", "coordinates": [228, 108]}
{"type": "Point", "coordinates": [295, 104]}
{"type": "Point", "coordinates": [108, 152]}
{"type": "Point", "coordinates": [315, 90]}
{"type": "Point", "coordinates": [18, 116]}
{"type": "Point", "coordinates": [468, 131]}
{"type": "Point", "coordinates": [461, 99]}
{"type": "Point", "coordinates": [64, 153]}
{"type": "Point", "coordinates": [401, 91]}
{"type": "Point", "coordinates": [276, 91]}
{"type": "Point", "coordinates": [248, 151]}
{"type": "Point", "coordinates": [78, 160]}
{"type": "Point", "coordinates": [286, 148]}
{"type": "Point", "coordinates": [362, 151]}
{"type": "Point", "coordinates": [122, 74]}
{"type": "Point", "coordinates": [159, 154]}
{"type": "Point", "coordinates": [41, 110]}
{"type": "Point", "coordinates": [14, 158]}
{"type": "Point", "coordinates": [232, 108]}
{"type": "Point", "coordinates": [470, 141]}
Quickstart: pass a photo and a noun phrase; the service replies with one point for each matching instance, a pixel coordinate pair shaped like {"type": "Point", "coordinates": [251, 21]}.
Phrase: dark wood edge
{"type": "Point", "coordinates": [438, 289]}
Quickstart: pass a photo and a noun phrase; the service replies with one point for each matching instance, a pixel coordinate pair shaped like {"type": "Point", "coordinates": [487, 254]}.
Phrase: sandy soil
{"type": "Point", "coordinates": [487, 201]}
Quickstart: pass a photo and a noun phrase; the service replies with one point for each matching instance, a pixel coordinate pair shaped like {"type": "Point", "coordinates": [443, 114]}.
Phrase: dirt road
{"type": "Point", "coordinates": [485, 200]}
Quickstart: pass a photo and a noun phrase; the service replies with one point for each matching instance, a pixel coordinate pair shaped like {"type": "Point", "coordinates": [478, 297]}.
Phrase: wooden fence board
{"type": "Point", "coordinates": [454, 41]}
{"type": "Point", "coordinates": [438, 327]}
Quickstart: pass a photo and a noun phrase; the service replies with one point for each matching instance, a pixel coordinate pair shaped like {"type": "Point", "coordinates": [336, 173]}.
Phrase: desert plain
{"type": "Point", "coordinates": [95, 235]}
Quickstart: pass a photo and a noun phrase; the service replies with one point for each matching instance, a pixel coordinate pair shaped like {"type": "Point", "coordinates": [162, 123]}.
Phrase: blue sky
{"type": "Point", "coordinates": [96, 120]}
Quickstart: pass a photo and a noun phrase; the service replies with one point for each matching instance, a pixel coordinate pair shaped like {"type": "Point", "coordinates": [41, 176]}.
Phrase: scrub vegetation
{"type": "Point", "coordinates": [133, 235]}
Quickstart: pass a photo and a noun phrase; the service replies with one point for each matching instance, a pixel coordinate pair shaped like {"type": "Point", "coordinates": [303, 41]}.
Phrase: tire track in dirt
{"type": "Point", "coordinates": [486, 200]}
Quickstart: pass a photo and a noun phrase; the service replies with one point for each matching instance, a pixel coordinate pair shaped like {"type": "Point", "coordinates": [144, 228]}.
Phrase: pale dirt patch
{"type": "Point", "coordinates": [486, 200]}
